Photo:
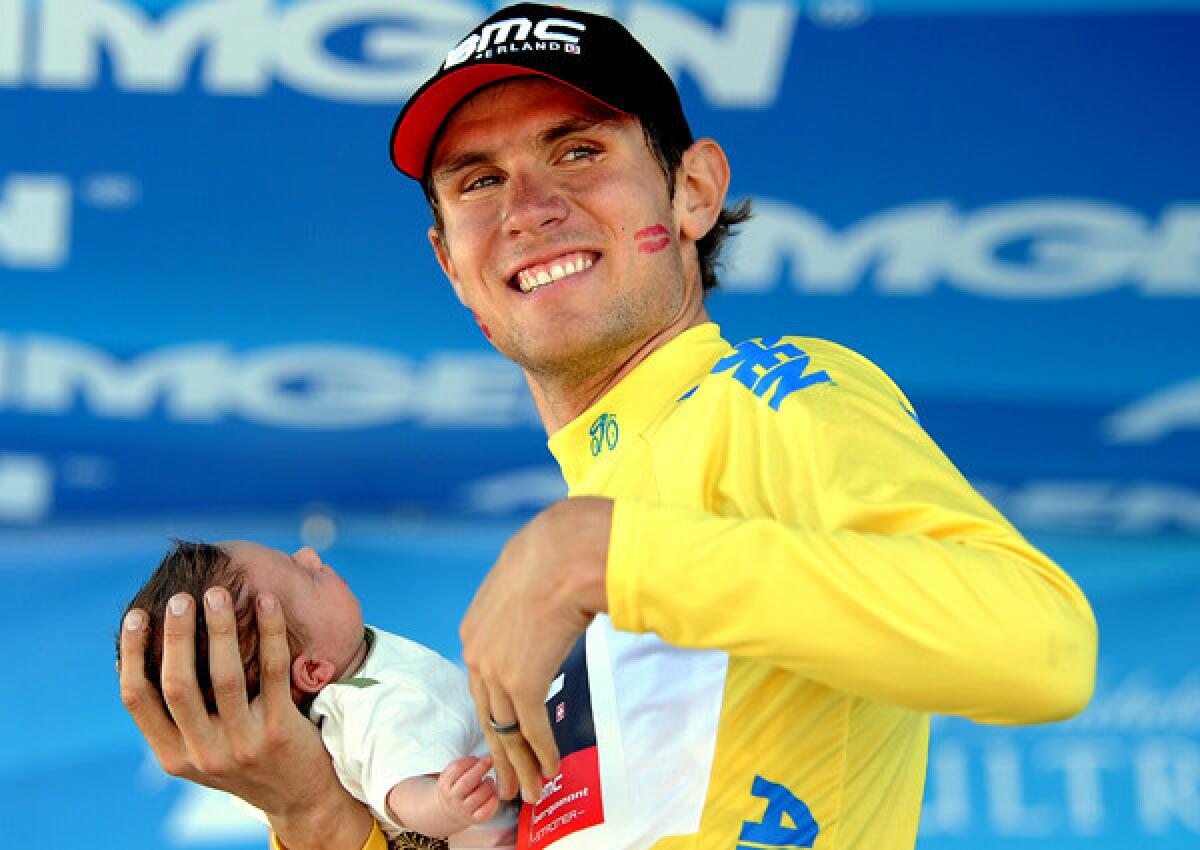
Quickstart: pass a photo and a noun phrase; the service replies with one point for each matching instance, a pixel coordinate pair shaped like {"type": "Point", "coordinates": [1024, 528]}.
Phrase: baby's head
{"type": "Point", "coordinates": [324, 619]}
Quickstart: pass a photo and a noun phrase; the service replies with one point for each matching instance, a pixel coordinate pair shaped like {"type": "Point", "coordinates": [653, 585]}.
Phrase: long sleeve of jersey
{"type": "Point", "coordinates": [835, 540]}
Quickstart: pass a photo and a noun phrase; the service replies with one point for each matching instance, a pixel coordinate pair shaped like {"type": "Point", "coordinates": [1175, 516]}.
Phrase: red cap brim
{"type": "Point", "coordinates": [418, 125]}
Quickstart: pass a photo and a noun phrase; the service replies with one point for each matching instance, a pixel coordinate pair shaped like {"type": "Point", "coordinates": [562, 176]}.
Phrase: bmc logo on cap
{"type": "Point", "coordinates": [498, 33]}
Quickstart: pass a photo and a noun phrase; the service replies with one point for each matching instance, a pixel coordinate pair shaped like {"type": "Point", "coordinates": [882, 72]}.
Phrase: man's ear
{"type": "Point", "coordinates": [701, 184]}
{"type": "Point", "coordinates": [437, 240]}
{"type": "Point", "coordinates": [309, 674]}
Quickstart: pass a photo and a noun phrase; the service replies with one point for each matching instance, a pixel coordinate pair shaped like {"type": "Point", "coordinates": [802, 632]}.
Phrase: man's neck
{"type": "Point", "coordinates": [561, 396]}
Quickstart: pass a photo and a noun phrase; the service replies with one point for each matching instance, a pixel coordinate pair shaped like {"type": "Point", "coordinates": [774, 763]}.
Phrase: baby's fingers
{"type": "Point", "coordinates": [484, 802]}
{"type": "Point", "coordinates": [474, 775]}
{"type": "Point", "coordinates": [453, 772]}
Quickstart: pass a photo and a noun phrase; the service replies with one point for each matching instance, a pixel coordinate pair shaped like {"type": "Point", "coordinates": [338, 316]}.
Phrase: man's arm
{"type": "Point", "coordinates": [994, 632]}
{"type": "Point", "coordinates": [854, 555]}
{"type": "Point", "coordinates": [852, 552]}
{"type": "Point", "coordinates": [981, 625]}
{"type": "Point", "coordinates": [539, 596]}
{"type": "Point", "coordinates": [265, 751]}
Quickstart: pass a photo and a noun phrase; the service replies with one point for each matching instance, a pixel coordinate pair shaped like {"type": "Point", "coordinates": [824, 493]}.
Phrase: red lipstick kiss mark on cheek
{"type": "Point", "coordinates": [482, 326]}
{"type": "Point", "coordinates": [652, 239]}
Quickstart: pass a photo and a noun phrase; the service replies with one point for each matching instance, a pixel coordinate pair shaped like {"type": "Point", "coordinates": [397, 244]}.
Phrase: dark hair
{"type": "Point", "coordinates": [668, 151]}
{"type": "Point", "coordinates": [193, 567]}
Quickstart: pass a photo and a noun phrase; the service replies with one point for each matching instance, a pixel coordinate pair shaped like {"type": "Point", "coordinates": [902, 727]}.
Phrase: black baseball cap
{"type": "Point", "coordinates": [590, 53]}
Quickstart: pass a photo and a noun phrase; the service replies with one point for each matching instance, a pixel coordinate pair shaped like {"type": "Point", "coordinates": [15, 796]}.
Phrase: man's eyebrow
{"type": "Point", "coordinates": [578, 124]}
{"type": "Point", "coordinates": [456, 163]}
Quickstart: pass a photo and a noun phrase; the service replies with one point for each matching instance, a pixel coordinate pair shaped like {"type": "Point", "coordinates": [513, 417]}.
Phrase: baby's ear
{"type": "Point", "coordinates": [309, 674]}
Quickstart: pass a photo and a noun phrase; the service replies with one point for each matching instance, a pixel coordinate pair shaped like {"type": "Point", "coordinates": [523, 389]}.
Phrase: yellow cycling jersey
{"type": "Point", "coordinates": [797, 577]}
{"type": "Point", "coordinates": [781, 515]}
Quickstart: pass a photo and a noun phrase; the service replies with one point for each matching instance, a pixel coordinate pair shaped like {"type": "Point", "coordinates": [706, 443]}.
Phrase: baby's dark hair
{"type": "Point", "coordinates": [193, 567]}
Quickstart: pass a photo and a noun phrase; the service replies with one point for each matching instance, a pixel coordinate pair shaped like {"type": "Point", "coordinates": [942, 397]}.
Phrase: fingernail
{"type": "Point", "coordinates": [134, 621]}
{"type": "Point", "coordinates": [266, 604]}
{"type": "Point", "coordinates": [179, 604]}
{"type": "Point", "coordinates": [215, 598]}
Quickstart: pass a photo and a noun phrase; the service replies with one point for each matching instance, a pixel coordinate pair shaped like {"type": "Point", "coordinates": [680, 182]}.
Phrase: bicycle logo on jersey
{"type": "Point", "coordinates": [604, 433]}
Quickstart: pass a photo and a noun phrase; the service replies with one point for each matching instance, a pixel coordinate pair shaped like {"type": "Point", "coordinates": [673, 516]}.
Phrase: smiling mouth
{"type": "Point", "coordinates": [543, 274]}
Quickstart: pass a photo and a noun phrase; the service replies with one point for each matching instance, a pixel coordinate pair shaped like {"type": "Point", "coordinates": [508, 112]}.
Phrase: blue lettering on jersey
{"type": "Point", "coordinates": [604, 433]}
{"type": "Point", "coordinates": [770, 369]}
{"type": "Point", "coordinates": [800, 830]}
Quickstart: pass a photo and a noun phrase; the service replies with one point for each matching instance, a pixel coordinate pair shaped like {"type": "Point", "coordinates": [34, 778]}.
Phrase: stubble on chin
{"type": "Point", "coordinates": [576, 356]}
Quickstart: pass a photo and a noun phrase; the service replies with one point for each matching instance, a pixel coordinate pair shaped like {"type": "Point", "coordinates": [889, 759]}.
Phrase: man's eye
{"type": "Point", "coordinates": [579, 152]}
{"type": "Point", "coordinates": [481, 182]}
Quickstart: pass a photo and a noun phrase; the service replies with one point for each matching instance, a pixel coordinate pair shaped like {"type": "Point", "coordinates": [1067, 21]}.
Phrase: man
{"type": "Point", "coordinates": [767, 576]}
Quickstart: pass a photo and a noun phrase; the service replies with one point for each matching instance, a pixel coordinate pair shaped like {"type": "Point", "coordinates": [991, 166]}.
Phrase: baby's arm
{"type": "Point", "coordinates": [459, 796]}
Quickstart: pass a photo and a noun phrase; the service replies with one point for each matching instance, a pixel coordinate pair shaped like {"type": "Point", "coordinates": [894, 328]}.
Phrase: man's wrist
{"type": "Point", "coordinates": [587, 520]}
{"type": "Point", "coordinates": [336, 822]}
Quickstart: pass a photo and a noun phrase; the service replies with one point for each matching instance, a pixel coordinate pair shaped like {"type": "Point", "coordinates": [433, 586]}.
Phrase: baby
{"type": "Point", "coordinates": [397, 718]}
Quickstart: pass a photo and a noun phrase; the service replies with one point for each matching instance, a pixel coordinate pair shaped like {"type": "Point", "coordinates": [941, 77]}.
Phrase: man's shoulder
{"type": "Point", "coordinates": [777, 368]}
{"type": "Point", "coordinates": [788, 347]}
{"type": "Point", "coordinates": [794, 377]}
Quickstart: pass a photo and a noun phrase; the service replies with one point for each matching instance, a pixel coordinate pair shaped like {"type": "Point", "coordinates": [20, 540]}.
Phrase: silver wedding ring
{"type": "Point", "coordinates": [503, 728]}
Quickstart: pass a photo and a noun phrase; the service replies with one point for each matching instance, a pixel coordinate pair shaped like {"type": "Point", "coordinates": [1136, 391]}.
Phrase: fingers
{"type": "Point", "coordinates": [468, 785]}
{"type": "Point", "coordinates": [506, 777]}
{"type": "Point", "coordinates": [523, 757]}
{"type": "Point", "coordinates": [141, 700]}
{"type": "Point", "coordinates": [472, 777]}
{"type": "Point", "coordinates": [225, 662]}
{"type": "Point", "coordinates": [453, 774]}
{"type": "Point", "coordinates": [484, 802]}
{"type": "Point", "coordinates": [535, 728]}
{"type": "Point", "coordinates": [179, 687]}
{"type": "Point", "coordinates": [515, 635]}
{"type": "Point", "coordinates": [516, 749]}
{"type": "Point", "coordinates": [525, 764]}
{"type": "Point", "coordinates": [274, 661]}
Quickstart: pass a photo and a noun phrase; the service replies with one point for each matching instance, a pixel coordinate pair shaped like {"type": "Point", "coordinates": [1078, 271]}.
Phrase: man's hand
{"type": "Point", "coordinates": [466, 794]}
{"type": "Point", "coordinates": [543, 591]}
{"type": "Point", "coordinates": [265, 751]}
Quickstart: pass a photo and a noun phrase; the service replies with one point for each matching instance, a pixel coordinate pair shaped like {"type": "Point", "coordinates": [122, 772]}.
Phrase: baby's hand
{"type": "Point", "coordinates": [466, 792]}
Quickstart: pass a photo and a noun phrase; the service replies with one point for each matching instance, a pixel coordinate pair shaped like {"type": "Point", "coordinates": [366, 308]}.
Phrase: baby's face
{"type": "Point", "coordinates": [314, 597]}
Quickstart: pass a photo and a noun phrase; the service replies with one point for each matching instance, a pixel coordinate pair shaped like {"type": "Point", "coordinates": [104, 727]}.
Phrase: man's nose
{"type": "Point", "coordinates": [534, 204]}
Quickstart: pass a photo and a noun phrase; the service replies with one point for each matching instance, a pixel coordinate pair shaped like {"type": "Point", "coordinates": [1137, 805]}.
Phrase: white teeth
{"type": "Point", "coordinates": [529, 280]}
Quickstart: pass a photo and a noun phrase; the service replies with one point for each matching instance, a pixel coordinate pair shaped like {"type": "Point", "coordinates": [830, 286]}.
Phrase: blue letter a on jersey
{"type": "Point", "coordinates": [771, 830]}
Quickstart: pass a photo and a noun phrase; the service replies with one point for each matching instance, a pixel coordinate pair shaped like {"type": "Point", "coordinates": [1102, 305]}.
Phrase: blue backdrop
{"type": "Point", "coordinates": [215, 290]}
{"type": "Point", "coordinates": [217, 300]}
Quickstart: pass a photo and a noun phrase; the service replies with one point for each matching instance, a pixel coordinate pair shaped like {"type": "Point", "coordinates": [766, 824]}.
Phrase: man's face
{"type": "Point", "coordinates": [543, 189]}
{"type": "Point", "coordinates": [314, 597]}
